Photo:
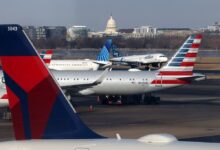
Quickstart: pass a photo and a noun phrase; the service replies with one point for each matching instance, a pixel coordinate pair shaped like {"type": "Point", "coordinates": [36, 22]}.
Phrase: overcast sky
{"type": "Point", "coordinates": [95, 13]}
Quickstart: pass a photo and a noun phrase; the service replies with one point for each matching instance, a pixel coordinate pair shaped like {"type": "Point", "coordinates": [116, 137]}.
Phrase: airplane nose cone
{"type": "Point", "coordinates": [165, 59]}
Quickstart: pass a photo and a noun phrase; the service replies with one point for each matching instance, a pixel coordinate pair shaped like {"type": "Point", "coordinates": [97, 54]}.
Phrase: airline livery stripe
{"type": "Point", "coordinates": [175, 73]}
{"type": "Point", "coordinates": [5, 96]}
{"type": "Point", "coordinates": [185, 64]}
{"type": "Point", "coordinates": [49, 52]}
{"type": "Point", "coordinates": [170, 82]}
{"type": "Point", "coordinates": [47, 56]}
{"type": "Point", "coordinates": [199, 36]}
{"type": "Point", "coordinates": [195, 45]}
{"type": "Point", "coordinates": [47, 61]}
{"type": "Point", "coordinates": [189, 59]}
{"type": "Point", "coordinates": [197, 41]}
{"type": "Point", "coordinates": [191, 54]}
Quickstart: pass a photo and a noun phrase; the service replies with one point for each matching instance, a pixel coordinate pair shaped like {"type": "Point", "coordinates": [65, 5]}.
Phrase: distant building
{"type": "Point", "coordinates": [111, 28]}
{"type": "Point", "coordinates": [30, 31]}
{"type": "Point", "coordinates": [41, 32]}
{"type": "Point", "coordinates": [144, 31]}
{"type": "Point", "coordinates": [213, 28]}
{"type": "Point", "coordinates": [56, 32]}
{"type": "Point", "coordinates": [126, 31]}
{"type": "Point", "coordinates": [77, 31]}
{"type": "Point", "coordinates": [96, 34]}
{"type": "Point", "coordinates": [45, 32]}
{"type": "Point", "coordinates": [175, 31]}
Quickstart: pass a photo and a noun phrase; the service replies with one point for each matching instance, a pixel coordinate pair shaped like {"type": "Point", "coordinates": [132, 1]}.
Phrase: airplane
{"type": "Point", "coordinates": [134, 87]}
{"type": "Point", "coordinates": [155, 59]}
{"type": "Point", "coordinates": [79, 64]}
{"type": "Point", "coordinates": [44, 119]}
{"type": "Point", "coordinates": [127, 87]}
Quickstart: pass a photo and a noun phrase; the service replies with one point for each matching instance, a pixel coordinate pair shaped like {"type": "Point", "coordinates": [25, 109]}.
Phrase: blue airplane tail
{"type": "Point", "coordinates": [115, 52]}
{"type": "Point", "coordinates": [39, 108]}
{"type": "Point", "coordinates": [104, 54]}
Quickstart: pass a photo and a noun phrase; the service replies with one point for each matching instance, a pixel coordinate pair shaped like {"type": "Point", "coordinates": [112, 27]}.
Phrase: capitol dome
{"type": "Point", "coordinates": [111, 27]}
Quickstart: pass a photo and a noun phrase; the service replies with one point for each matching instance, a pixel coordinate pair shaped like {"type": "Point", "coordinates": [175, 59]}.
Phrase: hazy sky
{"type": "Point", "coordinates": [127, 13]}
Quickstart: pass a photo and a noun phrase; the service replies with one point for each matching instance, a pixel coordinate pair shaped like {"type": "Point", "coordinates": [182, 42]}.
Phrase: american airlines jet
{"type": "Point", "coordinates": [133, 87]}
{"type": "Point", "coordinates": [44, 119]}
{"type": "Point", "coordinates": [125, 87]}
{"type": "Point", "coordinates": [102, 61]}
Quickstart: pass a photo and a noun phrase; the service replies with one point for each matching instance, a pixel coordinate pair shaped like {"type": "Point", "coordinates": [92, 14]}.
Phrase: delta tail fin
{"type": "Point", "coordinates": [183, 61]}
{"type": "Point", "coordinates": [39, 107]}
{"type": "Point", "coordinates": [46, 55]}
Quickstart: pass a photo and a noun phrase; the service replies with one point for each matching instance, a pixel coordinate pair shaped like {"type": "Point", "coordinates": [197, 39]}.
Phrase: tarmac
{"type": "Point", "coordinates": [189, 112]}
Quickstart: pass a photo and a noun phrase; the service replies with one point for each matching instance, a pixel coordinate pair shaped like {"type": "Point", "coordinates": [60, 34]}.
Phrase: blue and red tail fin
{"type": "Point", "coordinates": [104, 54]}
{"type": "Point", "coordinates": [46, 55]}
{"type": "Point", "coordinates": [182, 63]}
{"type": "Point", "coordinates": [39, 107]}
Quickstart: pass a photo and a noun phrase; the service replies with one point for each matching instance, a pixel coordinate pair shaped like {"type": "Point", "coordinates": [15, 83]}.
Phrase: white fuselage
{"type": "Point", "coordinates": [142, 59]}
{"type": "Point", "coordinates": [114, 83]}
{"type": "Point", "coordinates": [104, 144]}
{"type": "Point", "coordinates": [73, 65]}
{"type": "Point", "coordinates": [3, 97]}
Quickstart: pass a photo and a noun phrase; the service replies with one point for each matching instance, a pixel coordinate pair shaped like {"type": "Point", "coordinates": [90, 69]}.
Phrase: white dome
{"type": "Point", "coordinates": [111, 27]}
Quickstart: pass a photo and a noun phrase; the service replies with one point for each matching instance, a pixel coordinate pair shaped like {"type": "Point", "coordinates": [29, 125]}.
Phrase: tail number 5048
{"type": "Point", "coordinates": [12, 28]}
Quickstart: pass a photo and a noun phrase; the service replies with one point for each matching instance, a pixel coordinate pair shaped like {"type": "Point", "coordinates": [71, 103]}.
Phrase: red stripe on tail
{"type": "Point", "coordinates": [187, 64]}
{"type": "Point", "coordinates": [199, 36]}
{"type": "Point", "coordinates": [176, 73]}
{"type": "Point", "coordinates": [191, 55]}
{"type": "Point", "coordinates": [50, 51]}
{"type": "Point", "coordinates": [177, 81]}
{"type": "Point", "coordinates": [47, 61]}
{"type": "Point", "coordinates": [195, 45]}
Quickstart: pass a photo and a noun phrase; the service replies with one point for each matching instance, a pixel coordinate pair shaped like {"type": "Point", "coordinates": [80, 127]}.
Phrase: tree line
{"type": "Point", "coordinates": [158, 42]}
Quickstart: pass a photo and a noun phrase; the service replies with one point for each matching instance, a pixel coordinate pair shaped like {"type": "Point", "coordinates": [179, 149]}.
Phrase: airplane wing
{"type": "Point", "coordinates": [103, 64]}
{"type": "Point", "coordinates": [78, 87]}
{"type": "Point", "coordinates": [194, 77]}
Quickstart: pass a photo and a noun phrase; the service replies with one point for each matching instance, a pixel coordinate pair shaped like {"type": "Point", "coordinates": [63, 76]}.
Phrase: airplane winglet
{"type": "Point", "coordinates": [102, 76]}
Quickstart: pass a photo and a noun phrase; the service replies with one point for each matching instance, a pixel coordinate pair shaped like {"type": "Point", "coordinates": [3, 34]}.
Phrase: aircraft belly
{"type": "Point", "coordinates": [118, 89]}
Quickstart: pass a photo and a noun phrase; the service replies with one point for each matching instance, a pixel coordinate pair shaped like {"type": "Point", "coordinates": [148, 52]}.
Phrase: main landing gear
{"type": "Point", "coordinates": [146, 99]}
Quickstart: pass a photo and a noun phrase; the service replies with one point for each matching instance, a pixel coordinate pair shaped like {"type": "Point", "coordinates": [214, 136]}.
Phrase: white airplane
{"type": "Point", "coordinates": [133, 87]}
{"type": "Point", "coordinates": [155, 59]}
{"type": "Point", "coordinates": [102, 61]}
{"type": "Point", "coordinates": [44, 119]}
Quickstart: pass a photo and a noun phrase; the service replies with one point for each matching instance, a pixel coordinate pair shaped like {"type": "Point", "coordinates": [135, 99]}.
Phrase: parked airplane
{"type": "Point", "coordinates": [44, 119]}
{"type": "Point", "coordinates": [102, 61]}
{"type": "Point", "coordinates": [119, 86]}
{"type": "Point", "coordinates": [155, 59]}
{"type": "Point", "coordinates": [127, 87]}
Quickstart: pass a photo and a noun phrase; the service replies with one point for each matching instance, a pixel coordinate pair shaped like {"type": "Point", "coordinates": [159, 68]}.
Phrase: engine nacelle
{"type": "Point", "coordinates": [158, 138]}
